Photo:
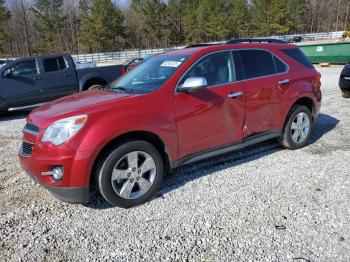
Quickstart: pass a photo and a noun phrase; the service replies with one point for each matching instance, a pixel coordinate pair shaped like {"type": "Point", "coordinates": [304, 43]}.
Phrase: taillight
{"type": "Point", "coordinates": [123, 70]}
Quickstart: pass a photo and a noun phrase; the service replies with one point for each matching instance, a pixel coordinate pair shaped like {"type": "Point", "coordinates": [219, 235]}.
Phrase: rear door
{"type": "Point", "coordinates": [59, 76]}
{"type": "Point", "coordinates": [212, 116]}
{"type": "Point", "coordinates": [21, 83]}
{"type": "Point", "coordinates": [265, 81]}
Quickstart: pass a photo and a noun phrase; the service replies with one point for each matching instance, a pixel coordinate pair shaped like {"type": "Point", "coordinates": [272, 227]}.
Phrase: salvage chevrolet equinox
{"type": "Point", "coordinates": [176, 108]}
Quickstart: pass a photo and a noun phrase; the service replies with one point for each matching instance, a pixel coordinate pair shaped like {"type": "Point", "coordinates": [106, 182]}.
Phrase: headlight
{"type": "Point", "coordinates": [60, 131]}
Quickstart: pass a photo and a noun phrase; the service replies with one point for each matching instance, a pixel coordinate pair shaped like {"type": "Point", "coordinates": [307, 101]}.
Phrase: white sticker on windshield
{"type": "Point", "coordinates": [171, 64]}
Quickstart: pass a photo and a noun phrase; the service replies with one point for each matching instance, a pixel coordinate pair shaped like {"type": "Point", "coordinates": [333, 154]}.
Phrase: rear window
{"type": "Point", "coordinates": [298, 56]}
{"type": "Point", "coordinates": [54, 64]}
{"type": "Point", "coordinates": [258, 63]}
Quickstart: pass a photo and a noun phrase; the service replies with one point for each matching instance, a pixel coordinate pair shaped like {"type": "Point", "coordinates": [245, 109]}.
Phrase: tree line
{"type": "Point", "coordinates": [29, 27]}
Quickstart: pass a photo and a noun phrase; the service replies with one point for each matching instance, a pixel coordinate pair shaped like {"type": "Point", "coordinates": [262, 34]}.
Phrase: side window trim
{"type": "Point", "coordinates": [233, 66]}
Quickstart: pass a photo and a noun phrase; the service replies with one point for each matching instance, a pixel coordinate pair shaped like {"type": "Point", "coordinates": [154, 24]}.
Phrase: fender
{"type": "Point", "coordinates": [100, 130]}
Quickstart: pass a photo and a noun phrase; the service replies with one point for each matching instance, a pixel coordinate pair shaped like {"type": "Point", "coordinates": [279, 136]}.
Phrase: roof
{"type": "Point", "coordinates": [218, 47]}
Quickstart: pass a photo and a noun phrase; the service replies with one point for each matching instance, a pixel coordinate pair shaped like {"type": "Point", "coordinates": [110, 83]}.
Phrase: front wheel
{"type": "Point", "coordinates": [130, 174]}
{"type": "Point", "coordinates": [345, 93]}
{"type": "Point", "coordinates": [298, 128]}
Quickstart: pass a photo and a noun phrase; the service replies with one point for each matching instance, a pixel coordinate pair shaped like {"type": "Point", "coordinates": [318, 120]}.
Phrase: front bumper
{"type": "Point", "coordinates": [66, 194]}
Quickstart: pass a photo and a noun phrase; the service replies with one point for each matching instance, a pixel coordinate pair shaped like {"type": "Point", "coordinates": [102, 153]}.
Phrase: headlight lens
{"type": "Point", "coordinates": [60, 131]}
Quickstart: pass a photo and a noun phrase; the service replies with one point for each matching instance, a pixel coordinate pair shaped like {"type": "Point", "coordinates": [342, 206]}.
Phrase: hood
{"type": "Point", "coordinates": [76, 102]}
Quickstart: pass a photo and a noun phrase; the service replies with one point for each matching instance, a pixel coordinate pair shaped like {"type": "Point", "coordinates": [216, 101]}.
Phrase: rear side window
{"type": "Point", "coordinates": [54, 64]}
{"type": "Point", "coordinates": [280, 66]}
{"type": "Point", "coordinates": [257, 63]}
{"type": "Point", "coordinates": [298, 56]}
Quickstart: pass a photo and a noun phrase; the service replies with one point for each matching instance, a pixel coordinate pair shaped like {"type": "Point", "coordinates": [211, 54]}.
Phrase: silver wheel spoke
{"type": "Point", "coordinates": [144, 185]}
{"type": "Point", "coordinates": [126, 189]}
{"type": "Point", "coordinates": [119, 174]}
{"type": "Point", "coordinates": [295, 137]}
{"type": "Point", "coordinates": [294, 126]}
{"type": "Point", "coordinates": [300, 127]}
{"type": "Point", "coordinates": [132, 159]}
{"type": "Point", "coordinates": [300, 118]}
{"type": "Point", "coordinates": [147, 165]}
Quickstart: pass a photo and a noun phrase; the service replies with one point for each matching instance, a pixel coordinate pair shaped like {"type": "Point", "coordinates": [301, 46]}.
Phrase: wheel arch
{"type": "Point", "coordinates": [93, 81]}
{"type": "Point", "coordinates": [147, 136]}
{"type": "Point", "coordinates": [302, 101]}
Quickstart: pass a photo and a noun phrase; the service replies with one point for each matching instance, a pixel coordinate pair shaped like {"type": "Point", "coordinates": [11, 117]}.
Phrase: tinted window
{"type": "Point", "coordinates": [24, 68]}
{"type": "Point", "coordinates": [257, 63]}
{"type": "Point", "coordinates": [280, 66]}
{"type": "Point", "coordinates": [217, 69]}
{"type": "Point", "coordinates": [299, 56]}
{"type": "Point", "coordinates": [54, 64]}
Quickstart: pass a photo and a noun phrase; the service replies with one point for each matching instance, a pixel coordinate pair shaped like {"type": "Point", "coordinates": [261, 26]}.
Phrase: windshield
{"type": "Point", "coordinates": [150, 75]}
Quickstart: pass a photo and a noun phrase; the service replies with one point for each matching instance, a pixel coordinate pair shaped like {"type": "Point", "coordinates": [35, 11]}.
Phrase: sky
{"type": "Point", "coordinates": [123, 3]}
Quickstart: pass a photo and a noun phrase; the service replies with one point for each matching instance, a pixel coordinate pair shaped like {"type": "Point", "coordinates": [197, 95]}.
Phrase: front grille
{"type": "Point", "coordinates": [31, 129]}
{"type": "Point", "coordinates": [26, 149]}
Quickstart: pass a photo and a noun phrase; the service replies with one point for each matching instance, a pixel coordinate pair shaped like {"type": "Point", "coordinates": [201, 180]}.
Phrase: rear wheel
{"type": "Point", "coordinates": [130, 174]}
{"type": "Point", "coordinates": [298, 128]}
{"type": "Point", "coordinates": [345, 93]}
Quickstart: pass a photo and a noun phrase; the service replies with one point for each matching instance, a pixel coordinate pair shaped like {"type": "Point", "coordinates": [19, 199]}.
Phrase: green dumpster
{"type": "Point", "coordinates": [336, 53]}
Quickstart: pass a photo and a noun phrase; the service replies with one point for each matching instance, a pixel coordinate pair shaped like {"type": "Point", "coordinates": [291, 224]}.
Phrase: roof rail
{"type": "Point", "coordinates": [255, 40]}
{"type": "Point", "coordinates": [199, 45]}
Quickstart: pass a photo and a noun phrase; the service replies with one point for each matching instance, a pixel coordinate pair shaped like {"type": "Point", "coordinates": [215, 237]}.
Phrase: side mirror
{"type": "Point", "coordinates": [7, 73]}
{"type": "Point", "coordinates": [192, 84]}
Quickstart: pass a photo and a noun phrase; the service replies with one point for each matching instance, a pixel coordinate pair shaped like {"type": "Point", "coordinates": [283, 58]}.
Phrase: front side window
{"type": "Point", "coordinates": [24, 68]}
{"type": "Point", "coordinates": [54, 64]}
{"type": "Point", "coordinates": [150, 75]}
{"type": "Point", "coordinates": [216, 68]}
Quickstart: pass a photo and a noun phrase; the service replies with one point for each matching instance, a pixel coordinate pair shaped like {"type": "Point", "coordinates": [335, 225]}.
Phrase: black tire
{"type": "Point", "coordinates": [286, 140]}
{"type": "Point", "coordinates": [106, 165]}
{"type": "Point", "coordinates": [346, 93]}
{"type": "Point", "coordinates": [94, 87]}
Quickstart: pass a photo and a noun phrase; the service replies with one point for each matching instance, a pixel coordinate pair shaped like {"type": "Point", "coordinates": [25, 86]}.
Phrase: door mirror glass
{"type": "Point", "coordinates": [7, 73]}
{"type": "Point", "coordinates": [193, 83]}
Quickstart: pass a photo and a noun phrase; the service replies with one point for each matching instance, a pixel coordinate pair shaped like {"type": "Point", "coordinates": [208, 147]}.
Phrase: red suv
{"type": "Point", "coordinates": [176, 108]}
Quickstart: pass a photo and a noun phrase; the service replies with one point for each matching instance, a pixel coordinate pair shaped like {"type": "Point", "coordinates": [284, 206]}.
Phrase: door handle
{"type": "Point", "coordinates": [283, 82]}
{"type": "Point", "coordinates": [67, 74]}
{"type": "Point", "coordinates": [37, 78]}
{"type": "Point", "coordinates": [235, 94]}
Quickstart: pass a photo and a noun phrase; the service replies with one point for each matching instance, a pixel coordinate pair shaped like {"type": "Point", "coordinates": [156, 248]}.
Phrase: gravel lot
{"type": "Point", "coordinates": [264, 204]}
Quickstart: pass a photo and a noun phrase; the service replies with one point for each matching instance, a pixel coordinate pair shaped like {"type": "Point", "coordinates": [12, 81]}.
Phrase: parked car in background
{"type": "Point", "coordinates": [28, 82]}
{"type": "Point", "coordinates": [344, 81]}
{"type": "Point", "coordinates": [176, 108]}
{"type": "Point", "coordinates": [296, 39]}
{"type": "Point", "coordinates": [132, 63]}
{"type": "Point", "coordinates": [3, 62]}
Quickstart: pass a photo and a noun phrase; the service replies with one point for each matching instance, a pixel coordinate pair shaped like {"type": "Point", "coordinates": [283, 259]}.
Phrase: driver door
{"type": "Point", "coordinates": [213, 116]}
{"type": "Point", "coordinates": [21, 84]}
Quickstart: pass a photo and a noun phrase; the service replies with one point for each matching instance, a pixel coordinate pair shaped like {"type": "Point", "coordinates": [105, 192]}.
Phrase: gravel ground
{"type": "Point", "coordinates": [260, 204]}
